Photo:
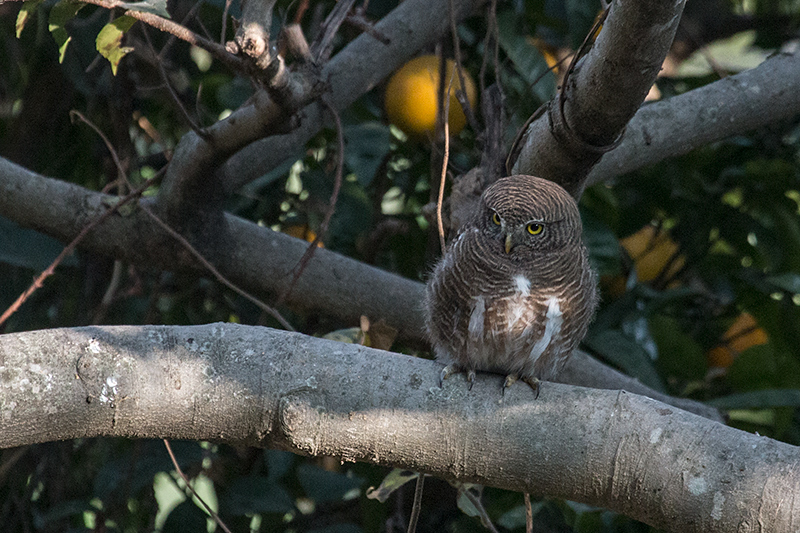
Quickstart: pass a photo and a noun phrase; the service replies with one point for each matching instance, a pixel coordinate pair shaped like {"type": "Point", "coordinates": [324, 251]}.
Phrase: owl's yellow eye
{"type": "Point", "coordinates": [534, 228]}
{"type": "Point", "coordinates": [496, 219]}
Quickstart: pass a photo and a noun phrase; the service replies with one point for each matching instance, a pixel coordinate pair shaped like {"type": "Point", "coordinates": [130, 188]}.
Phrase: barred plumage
{"type": "Point", "coordinates": [514, 293]}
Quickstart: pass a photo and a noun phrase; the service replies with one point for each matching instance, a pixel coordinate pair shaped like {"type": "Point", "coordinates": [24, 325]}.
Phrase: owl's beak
{"type": "Point", "coordinates": [508, 243]}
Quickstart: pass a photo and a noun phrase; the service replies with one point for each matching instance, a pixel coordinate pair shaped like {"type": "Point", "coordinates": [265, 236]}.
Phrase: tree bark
{"type": "Point", "coordinates": [751, 99]}
{"type": "Point", "coordinates": [600, 95]}
{"type": "Point", "coordinates": [257, 386]}
{"type": "Point", "coordinates": [245, 253]}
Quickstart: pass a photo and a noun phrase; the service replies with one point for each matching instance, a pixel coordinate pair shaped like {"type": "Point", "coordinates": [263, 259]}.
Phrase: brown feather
{"type": "Point", "coordinates": [520, 313]}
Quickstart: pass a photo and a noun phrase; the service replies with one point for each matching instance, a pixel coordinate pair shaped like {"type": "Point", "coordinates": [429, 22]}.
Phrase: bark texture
{"type": "Point", "coordinates": [258, 386]}
{"type": "Point", "coordinates": [600, 95]}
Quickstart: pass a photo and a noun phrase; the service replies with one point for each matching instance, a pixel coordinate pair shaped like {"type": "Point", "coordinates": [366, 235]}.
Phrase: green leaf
{"type": "Point", "coordinates": [60, 511]}
{"type": "Point", "coordinates": [109, 40]}
{"type": "Point", "coordinates": [604, 251]}
{"type": "Point", "coordinates": [338, 528]}
{"type": "Point", "coordinates": [580, 17]}
{"type": "Point", "coordinates": [367, 146]}
{"type": "Point", "coordinates": [515, 518]}
{"type": "Point", "coordinates": [464, 502]}
{"type": "Point", "coordinates": [28, 248]}
{"type": "Point", "coordinates": [787, 282]}
{"type": "Point", "coordinates": [527, 59]}
{"type": "Point", "coordinates": [323, 486]}
{"type": "Point", "coordinates": [25, 13]}
{"type": "Point", "coordinates": [156, 7]}
{"type": "Point", "coordinates": [760, 399]}
{"type": "Point", "coordinates": [62, 12]}
{"type": "Point", "coordinates": [680, 355]}
{"type": "Point", "coordinates": [278, 463]}
{"type": "Point", "coordinates": [393, 481]}
{"type": "Point", "coordinates": [254, 495]}
{"type": "Point", "coordinates": [733, 54]}
{"type": "Point", "coordinates": [621, 351]}
{"type": "Point", "coordinates": [185, 517]}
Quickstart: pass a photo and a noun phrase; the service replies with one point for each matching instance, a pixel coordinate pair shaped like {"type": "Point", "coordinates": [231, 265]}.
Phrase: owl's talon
{"type": "Point", "coordinates": [449, 370]}
{"type": "Point", "coordinates": [534, 384]}
{"type": "Point", "coordinates": [510, 380]}
{"type": "Point", "coordinates": [446, 372]}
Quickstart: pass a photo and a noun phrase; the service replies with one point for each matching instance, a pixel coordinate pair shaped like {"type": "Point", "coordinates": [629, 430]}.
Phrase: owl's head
{"type": "Point", "coordinates": [527, 215]}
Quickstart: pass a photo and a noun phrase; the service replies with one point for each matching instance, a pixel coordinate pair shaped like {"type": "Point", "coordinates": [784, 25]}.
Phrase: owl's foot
{"type": "Point", "coordinates": [449, 370]}
{"type": "Point", "coordinates": [533, 382]}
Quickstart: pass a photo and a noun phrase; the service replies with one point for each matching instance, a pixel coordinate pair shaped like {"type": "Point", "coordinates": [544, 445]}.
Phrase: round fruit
{"type": "Point", "coordinates": [411, 96]}
{"type": "Point", "coordinates": [653, 251]}
{"type": "Point", "coordinates": [743, 334]}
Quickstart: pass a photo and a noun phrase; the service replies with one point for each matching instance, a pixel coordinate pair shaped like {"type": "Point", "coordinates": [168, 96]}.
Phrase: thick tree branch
{"type": "Point", "coordinates": [601, 94]}
{"type": "Point", "coordinates": [245, 253]}
{"type": "Point", "coordinates": [257, 386]}
{"type": "Point", "coordinates": [736, 104]}
{"type": "Point", "coordinates": [252, 37]}
{"type": "Point", "coordinates": [363, 63]}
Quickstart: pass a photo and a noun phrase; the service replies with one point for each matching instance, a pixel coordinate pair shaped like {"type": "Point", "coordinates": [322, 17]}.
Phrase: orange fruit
{"type": "Point", "coordinates": [301, 231]}
{"type": "Point", "coordinates": [743, 334]}
{"type": "Point", "coordinates": [652, 251]}
{"type": "Point", "coordinates": [411, 96]}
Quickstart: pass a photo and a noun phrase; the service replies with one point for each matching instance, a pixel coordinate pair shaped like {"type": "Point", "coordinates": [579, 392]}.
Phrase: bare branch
{"type": "Point", "coordinates": [359, 67]}
{"type": "Point", "coordinates": [179, 31]}
{"type": "Point", "coordinates": [252, 39]}
{"type": "Point", "coordinates": [603, 92]}
{"type": "Point", "coordinates": [245, 253]}
{"type": "Point", "coordinates": [258, 386]}
{"type": "Point", "coordinates": [736, 104]}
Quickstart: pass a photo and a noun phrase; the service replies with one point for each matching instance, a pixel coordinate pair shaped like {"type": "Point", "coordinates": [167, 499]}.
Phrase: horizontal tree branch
{"type": "Point", "coordinates": [751, 99]}
{"type": "Point", "coordinates": [258, 386]}
{"type": "Point", "coordinates": [245, 253]}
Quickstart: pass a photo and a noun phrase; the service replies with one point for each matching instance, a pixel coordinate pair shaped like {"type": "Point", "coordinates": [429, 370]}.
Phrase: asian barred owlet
{"type": "Point", "coordinates": [514, 292]}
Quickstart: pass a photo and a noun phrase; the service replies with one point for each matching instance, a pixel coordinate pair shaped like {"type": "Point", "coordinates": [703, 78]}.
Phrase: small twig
{"type": "Point", "coordinates": [461, 93]}
{"type": "Point", "coordinates": [222, 279]}
{"type": "Point", "coordinates": [528, 513]}
{"type": "Point", "coordinates": [223, 32]}
{"type": "Point", "coordinates": [323, 44]}
{"type": "Point", "coordinates": [39, 281]}
{"type": "Point", "coordinates": [416, 507]}
{"type": "Point", "coordinates": [492, 38]}
{"type": "Point", "coordinates": [208, 509]}
{"type": "Point", "coordinates": [181, 32]}
{"type": "Point", "coordinates": [111, 291]}
{"type": "Point", "coordinates": [191, 13]}
{"type": "Point", "coordinates": [323, 228]}
{"type": "Point", "coordinates": [358, 20]}
{"type": "Point", "coordinates": [163, 72]}
{"type": "Point", "coordinates": [117, 163]}
{"type": "Point", "coordinates": [476, 502]}
{"type": "Point", "coordinates": [445, 158]}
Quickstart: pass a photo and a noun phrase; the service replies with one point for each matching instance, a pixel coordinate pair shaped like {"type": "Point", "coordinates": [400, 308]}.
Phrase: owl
{"type": "Point", "coordinates": [514, 292]}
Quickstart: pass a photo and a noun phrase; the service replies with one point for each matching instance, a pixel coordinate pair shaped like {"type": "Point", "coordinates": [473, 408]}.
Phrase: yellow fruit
{"type": "Point", "coordinates": [301, 231]}
{"type": "Point", "coordinates": [652, 251]}
{"type": "Point", "coordinates": [743, 334]}
{"type": "Point", "coordinates": [411, 96]}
